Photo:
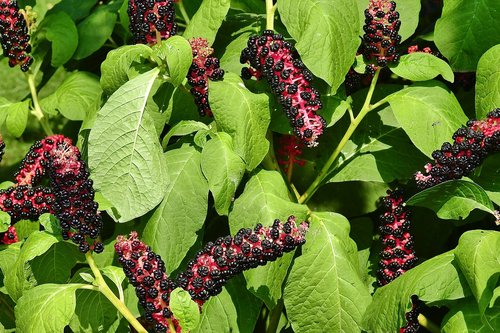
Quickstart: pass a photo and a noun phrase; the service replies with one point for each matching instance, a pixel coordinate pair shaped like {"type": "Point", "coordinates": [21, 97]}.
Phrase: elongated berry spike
{"type": "Point", "coordinates": [412, 325]}
{"type": "Point", "coordinates": [10, 236]}
{"type": "Point", "coordinates": [397, 255]}
{"type": "Point", "coordinates": [151, 17]}
{"type": "Point", "coordinates": [274, 59]}
{"type": "Point", "coordinates": [14, 35]}
{"type": "Point", "coordinates": [2, 148]}
{"type": "Point", "coordinates": [204, 67]}
{"type": "Point", "coordinates": [290, 149]}
{"type": "Point", "coordinates": [25, 202]}
{"type": "Point", "coordinates": [471, 145]}
{"type": "Point", "coordinates": [381, 34]}
{"type": "Point", "coordinates": [228, 256]}
{"type": "Point", "coordinates": [146, 272]}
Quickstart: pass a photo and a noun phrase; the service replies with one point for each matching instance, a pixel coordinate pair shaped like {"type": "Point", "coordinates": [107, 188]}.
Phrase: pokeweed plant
{"type": "Point", "coordinates": [349, 148]}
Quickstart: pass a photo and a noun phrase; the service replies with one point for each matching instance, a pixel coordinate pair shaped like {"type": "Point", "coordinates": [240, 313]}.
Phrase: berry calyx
{"type": "Point", "coordinates": [288, 154]}
{"type": "Point", "coordinates": [150, 19]}
{"type": "Point", "coordinates": [276, 60]}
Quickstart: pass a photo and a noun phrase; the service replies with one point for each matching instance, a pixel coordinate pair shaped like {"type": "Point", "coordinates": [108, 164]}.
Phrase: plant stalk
{"type": "Point", "coordinates": [274, 317]}
{"type": "Point", "coordinates": [37, 110]}
{"type": "Point", "coordinates": [270, 10]}
{"type": "Point", "coordinates": [184, 14]}
{"type": "Point", "coordinates": [106, 291]}
{"type": "Point", "coordinates": [350, 130]}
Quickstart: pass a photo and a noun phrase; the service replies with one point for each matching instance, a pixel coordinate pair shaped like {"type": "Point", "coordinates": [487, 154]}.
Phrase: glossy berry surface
{"type": "Point", "coordinates": [381, 34]}
{"type": "Point", "coordinates": [25, 202]}
{"type": "Point", "coordinates": [397, 255]}
{"type": "Point", "coordinates": [203, 68]}
{"type": "Point", "coordinates": [9, 237]}
{"type": "Point", "coordinates": [146, 272]}
{"type": "Point", "coordinates": [151, 19]}
{"type": "Point", "coordinates": [471, 145]}
{"type": "Point", "coordinates": [228, 256]}
{"type": "Point", "coordinates": [14, 35]}
{"type": "Point", "coordinates": [274, 59]}
{"type": "Point", "coordinates": [411, 316]}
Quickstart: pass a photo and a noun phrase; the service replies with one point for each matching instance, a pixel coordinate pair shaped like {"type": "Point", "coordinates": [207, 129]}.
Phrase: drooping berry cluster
{"type": "Point", "coordinates": [146, 272]}
{"type": "Point", "coordinates": [10, 236]}
{"type": "Point", "coordinates": [204, 67]}
{"type": "Point", "coordinates": [228, 256]}
{"type": "Point", "coordinates": [274, 59]}
{"type": "Point", "coordinates": [25, 202]}
{"type": "Point", "coordinates": [288, 154]}
{"type": "Point", "coordinates": [14, 35]}
{"type": "Point", "coordinates": [397, 255]}
{"type": "Point", "coordinates": [471, 145]}
{"type": "Point", "coordinates": [412, 325]}
{"type": "Point", "coordinates": [381, 34]}
{"type": "Point", "coordinates": [151, 19]}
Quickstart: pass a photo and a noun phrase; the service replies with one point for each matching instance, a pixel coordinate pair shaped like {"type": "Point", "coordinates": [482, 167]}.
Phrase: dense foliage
{"type": "Point", "coordinates": [249, 166]}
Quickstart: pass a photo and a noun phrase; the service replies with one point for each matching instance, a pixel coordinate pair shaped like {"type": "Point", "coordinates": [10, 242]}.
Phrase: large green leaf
{"type": "Point", "coordinates": [93, 312]}
{"type": "Point", "coordinates": [8, 257]}
{"type": "Point", "coordinates": [184, 309]}
{"type": "Point", "coordinates": [235, 310]}
{"type": "Point", "coordinates": [223, 168]}
{"type": "Point", "coordinates": [171, 230]}
{"type": "Point", "coordinates": [243, 115]}
{"type": "Point", "coordinates": [183, 127]}
{"type": "Point", "coordinates": [60, 29]}
{"type": "Point", "coordinates": [435, 281]}
{"type": "Point", "coordinates": [116, 66]}
{"type": "Point", "coordinates": [453, 199]}
{"type": "Point", "coordinates": [479, 260]}
{"type": "Point", "coordinates": [265, 199]}
{"type": "Point", "coordinates": [466, 29]}
{"type": "Point", "coordinates": [488, 177]}
{"type": "Point", "coordinates": [94, 31]}
{"type": "Point", "coordinates": [17, 117]}
{"type": "Point", "coordinates": [421, 66]}
{"type": "Point", "coordinates": [178, 55]}
{"type": "Point", "coordinates": [327, 34]}
{"type": "Point", "coordinates": [488, 82]}
{"type": "Point", "coordinates": [46, 308]}
{"type": "Point", "coordinates": [125, 156]}
{"type": "Point", "coordinates": [465, 317]}
{"type": "Point", "coordinates": [429, 114]}
{"type": "Point", "coordinates": [55, 265]}
{"type": "Point", "coordinates": [326, 279]}
{"type": "Point", "coordinates": [79, 94]}
{"type": "Point", "coordinates": [207, 20]}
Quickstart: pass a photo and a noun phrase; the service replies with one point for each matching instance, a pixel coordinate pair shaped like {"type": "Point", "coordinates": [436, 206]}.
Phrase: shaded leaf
{"type": "Point", "coordinates": [488, 82]}
{"type": "Point", "coordinates": [207, 20]}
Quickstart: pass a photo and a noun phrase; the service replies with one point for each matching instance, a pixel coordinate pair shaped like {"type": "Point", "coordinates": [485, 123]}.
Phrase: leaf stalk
{"type": "Point", "coordinates": [37, 110]}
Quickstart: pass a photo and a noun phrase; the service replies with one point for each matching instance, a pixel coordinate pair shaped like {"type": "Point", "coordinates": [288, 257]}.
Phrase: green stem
{"type": "Point", "coordinates": [37, 110]}
{"type": "Point", "coordinates": [274, 317]}
{"type": "Point", "coordinates": [104, 289]}
{"type": "Point", "coordinates": [270, 10]}
{"type": "Point", "coordinates": [352, 127]}
{"type": "Point", "coordinates": [184, 14]}
{"type": "Point", "coordinates": [427, 324]}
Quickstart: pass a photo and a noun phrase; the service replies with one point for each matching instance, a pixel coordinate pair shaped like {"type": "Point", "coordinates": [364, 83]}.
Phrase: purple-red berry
{"type": "Point", "coordinates": [24, 202]}
{"type": "Point", "coordinates": [412, 325]}
{"type": "Point", "coordinates": [151, 20]}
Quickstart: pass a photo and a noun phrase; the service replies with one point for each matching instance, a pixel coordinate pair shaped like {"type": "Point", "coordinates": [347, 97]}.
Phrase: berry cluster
{"type": "Point", "coordinates": [151, 20]}
{"type": "Point", "coordinates": [381, 34]}
{"type": "Point", "coordinates": [411, 316]}
{"type": "Point", "coordinates": [397, 255]}
{"type": "Point", "coordinates": [24, 202]}
{"type": "Point", "coordinates": [146, 272]}
{"type": "Point", "coordinates": [10, 236]}
{"type": "Point", "coordinates": [14, 35]}
{"type": "Point", "coordinates": [204, 67]}
{"type": "Point", "coordinates": [471, 145]}
{"type": "Point", "coordinates": [276, 60]}
{"type": "Point", "coordinates": [290, 148]}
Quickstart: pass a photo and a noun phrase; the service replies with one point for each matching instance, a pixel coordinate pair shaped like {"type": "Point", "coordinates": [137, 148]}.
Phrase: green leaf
{"type": "Point", "coordinates": [184, 309]}
{"type": "Point", "coordinates": [60, 29]}
{"type": "Point", "coordinates": [466, 29]}
{"type": "Point", "coordinates": [50, 224]}
{"type": "Point", "coordinates": [183, 127]}
{"type": "Point", "coordinates": [76, 9]}
{"type": "Point", "coordinates": [42, 6]}
{"type": "Point", "coordinates": [327, 34]}
{"type": "Point", "coordinates": [77, 95]}
{"type": "Point", "coordinates": [17, 281]}
{"type": "Point", "coordinates": [93, 313]}
{"type": "Point", "coordinates": [408, 14]}
{"type": "Point", "coordinates": [453, 199]}
{"type": "Point", "coordinates": [434, 281]}
{"type": "Point", "coordinates": [46, 308]}
{"type": "Point", "coordinates": [4, 221]}
{"type": "Point", "coordinates": [224, 170]}
{"type": "Point", "coordinates": [125, 157]}
{"type": "Point", "coordinates": [420, 66]}
{"type": "Point", "coordinates": [265, 199]}
{"type": "Point", "coordinates": [118, 61]}
{"type": "Point", "coordinates": [178, 54]}
{"type": "Point", "coordinates": [230, 60]}
{"type": "Point", "coordinates": [465, 317]}
{"type": "Point", "coordinates": [173, 227]}
{"type": "Point", "coordinates": [479, 260]}
{"type": "Point", "coordinates": [8, 257]}
{"type": "Point", "coordinates": [243, 115]}
{"type": "Point", "coordinates": [104, 204]}
{"type": "Point", "coordinates": [17, 118]}
{"type": "Point", "coordinates": [488, 177]}
{"type": "Point", "coordinates": [207, 20]}
{"type": "Point", "coordinates": [235, 309]}
{"type": "Point", "coordinates": [429, 114]}
{"type": "Point", "coordinates": [55, 265]}
{"type": "Point", "coordinates": [93, 32]}
{"type": "Point", "coordinates": [115, 274]}
{"type": "Point", "coordinates": [488, 82]}
{"type": "Point", "coordinates": [326, 279]}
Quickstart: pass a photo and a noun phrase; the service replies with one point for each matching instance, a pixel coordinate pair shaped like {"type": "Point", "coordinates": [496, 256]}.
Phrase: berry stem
{"type": "Point", "coordinates": [270, 9]}
{"type": "Point", "coordinates": [185, 16]}
{"type": "Point", "coordinates": [427, 324]}
{"type": "Point", "coordinates": [350, 130]}
{"type": "Point", "coordinates": [37, 110]}
{"type": "Point", "coordinates": [106, 291]}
